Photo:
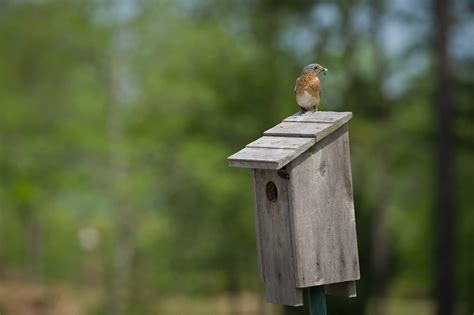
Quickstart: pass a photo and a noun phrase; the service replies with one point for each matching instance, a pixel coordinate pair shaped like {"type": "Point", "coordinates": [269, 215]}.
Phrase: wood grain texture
{"type": "Point", "coordinates": [261, 158]}
{"type": "Point", "coordinates": [282, 143]}
{"type": "Point", "coordinates": [287, 140]}
{"type": "Point", "coordinates": [324, 228]}
{"type": "Point", "coordinates": [338, 118]}
{"type": "Point", "coordinates": [270, 152]}
{"type": "Point", "coordinates": [298, 129]}
{"type": "Point", "coordinates": [316, 125]}
{"type": "Point", "coordinates": [257, 229]}
{"type": "Point", "coordinates": [275, 244]}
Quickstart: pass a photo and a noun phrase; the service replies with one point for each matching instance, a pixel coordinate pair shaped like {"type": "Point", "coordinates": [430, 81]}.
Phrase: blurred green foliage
{"type": "Point", "coordinates": [117, 118]}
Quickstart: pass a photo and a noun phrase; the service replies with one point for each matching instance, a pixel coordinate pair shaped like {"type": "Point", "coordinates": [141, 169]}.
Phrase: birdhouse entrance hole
{"type": "Point", "coordinates": [272, 192]}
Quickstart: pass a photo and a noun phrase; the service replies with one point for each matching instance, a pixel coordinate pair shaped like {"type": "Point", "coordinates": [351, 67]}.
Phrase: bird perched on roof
{"type": "Point", "coordinates": [308, 88]}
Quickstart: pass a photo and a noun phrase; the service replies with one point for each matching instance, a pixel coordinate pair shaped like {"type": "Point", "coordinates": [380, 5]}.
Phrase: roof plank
{"type": "Point", "coordinates": [287, 140]}
{"type": "Point", "coordinates": [270, 152]}
{"type": "Point", "coordinates": [298, 129]}
{"type": "Point", "coordinates": [281, 143]}
{"type": "Point", "coordinates": [321, 117]}
{"type": "Point", "coordinates": [315, 125]}
{"type": "Point", "coordinates": [261, 158]}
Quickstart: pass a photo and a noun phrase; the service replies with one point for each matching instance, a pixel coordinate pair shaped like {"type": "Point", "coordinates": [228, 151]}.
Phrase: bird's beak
{"type": "Point", "coordinates": [325, 70]}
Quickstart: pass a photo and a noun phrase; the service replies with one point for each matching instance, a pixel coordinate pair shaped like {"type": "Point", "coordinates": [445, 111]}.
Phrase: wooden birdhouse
{"type": "Point", "coordinates": [304, 209]}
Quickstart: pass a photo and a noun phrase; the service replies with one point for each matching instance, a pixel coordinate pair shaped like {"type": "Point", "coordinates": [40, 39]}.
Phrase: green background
{"type": "Point", "coordinates": [116, 119]}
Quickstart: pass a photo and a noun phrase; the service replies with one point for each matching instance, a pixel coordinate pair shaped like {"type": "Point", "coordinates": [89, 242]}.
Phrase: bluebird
{"type": "Point", "coordinates": [308, 88]}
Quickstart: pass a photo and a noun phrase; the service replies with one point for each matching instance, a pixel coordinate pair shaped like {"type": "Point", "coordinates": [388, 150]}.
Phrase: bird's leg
{"type": "Point", "coordinates": [302, 110]}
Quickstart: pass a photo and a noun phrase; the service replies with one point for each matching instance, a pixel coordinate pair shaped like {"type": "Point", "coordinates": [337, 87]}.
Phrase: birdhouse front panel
{"type": "Point", "coordinates": [274, 238]}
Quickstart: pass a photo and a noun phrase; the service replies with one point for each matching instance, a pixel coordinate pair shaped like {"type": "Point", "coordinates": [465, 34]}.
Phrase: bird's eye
{"type": "Point", "coordinates": [314, 67]}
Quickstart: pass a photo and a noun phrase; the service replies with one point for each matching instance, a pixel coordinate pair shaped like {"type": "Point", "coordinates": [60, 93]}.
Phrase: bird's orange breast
{"type": "Point", "coordinates": [309, 83]}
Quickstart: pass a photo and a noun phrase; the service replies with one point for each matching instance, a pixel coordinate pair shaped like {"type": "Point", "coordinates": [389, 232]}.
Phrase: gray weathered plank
{"type": "Point", "coordinates": [346, 289]}
{"type": "Point", "coordinates": [261, 158]}
{"type": "Point", "coordinates": [300, 144]}
{"type": "Point", "coordinates": [287, 140]}
{"type": "Point", "coordinates": [323, 213]}
{"type": "Point", "coordinates": [315, 125]}
{"type": "Point", "coordinates": [270, 152]}
{"type": "Point", "coordinates": [275, 243]}
{"type": "Point", "coordinates": [323, 117]}
{"type": "Point", "coordinates": [257, 230]}
{"type": "Point", "coordinates": [299, 129]}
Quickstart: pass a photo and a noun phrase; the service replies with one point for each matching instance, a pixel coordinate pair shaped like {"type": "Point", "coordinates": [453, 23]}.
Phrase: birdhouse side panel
{"type": "Point", "coordinates": [274, 243]}
{"type": "Point", "coordinates": [323, 213]}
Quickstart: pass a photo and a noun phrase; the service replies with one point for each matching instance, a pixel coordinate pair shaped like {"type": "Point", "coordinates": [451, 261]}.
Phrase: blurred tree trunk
{"type": "Point", "coordinates": [445, 209]}
{"type": "Point", "coordinates": [123, 253]}
{"type": "Point", "coordinates": [32, 230]}
{"type": "Point", "coordinates": [380, 246]}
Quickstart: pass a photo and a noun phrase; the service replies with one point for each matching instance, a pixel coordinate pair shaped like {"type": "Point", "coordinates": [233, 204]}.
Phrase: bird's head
{"type": "Point", "coordinates": [315, 68]}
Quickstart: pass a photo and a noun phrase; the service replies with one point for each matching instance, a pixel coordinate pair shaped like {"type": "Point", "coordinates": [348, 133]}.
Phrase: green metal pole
{"type": "Point", "coordinates": [316, 300]}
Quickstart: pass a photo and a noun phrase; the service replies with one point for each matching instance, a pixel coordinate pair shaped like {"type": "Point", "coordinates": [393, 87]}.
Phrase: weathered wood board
{"type": "Point", "coordinates": [274, 244]}
{"type": "Point", "coordinates": [315, 125]}
{"type": "Point", "coordinates": [337, 118]}
{"type": "Point", "coordinates": [300, 144]}
{"type": "Point", "coordinates": [270, 152]}
{"type": "Point", "coordinates": [287, 140]}
{"type": "Point", "coordinates": [323, 213]}
{"type": "Point", "coordinates": [298, 129]}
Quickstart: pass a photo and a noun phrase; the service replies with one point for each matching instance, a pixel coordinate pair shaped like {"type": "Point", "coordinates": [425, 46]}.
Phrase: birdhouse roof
{"type": "Point", "coordinates": [286, 141]}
